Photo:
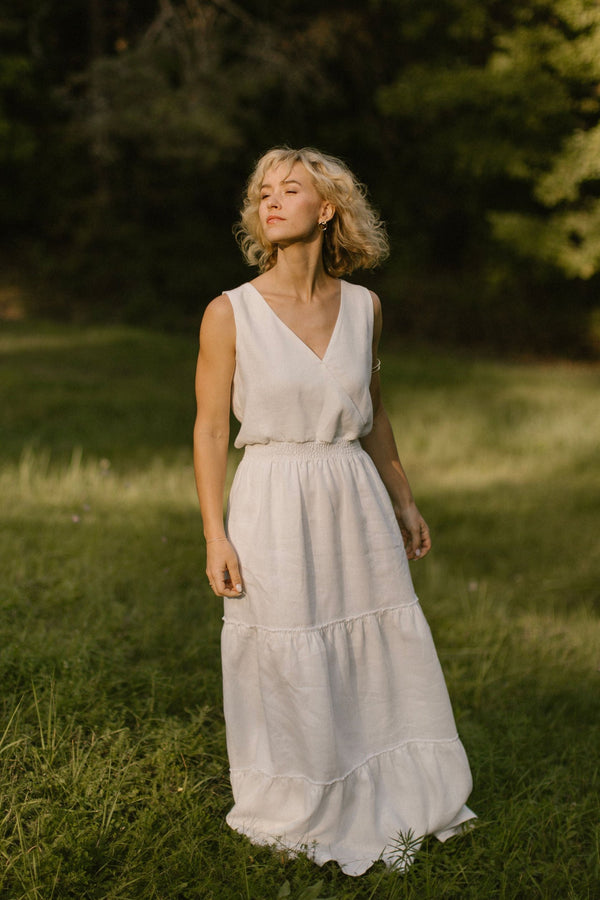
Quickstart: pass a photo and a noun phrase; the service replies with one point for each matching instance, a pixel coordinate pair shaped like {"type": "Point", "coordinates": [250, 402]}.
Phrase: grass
{"type": "Point", "coordinates": [113, 771]}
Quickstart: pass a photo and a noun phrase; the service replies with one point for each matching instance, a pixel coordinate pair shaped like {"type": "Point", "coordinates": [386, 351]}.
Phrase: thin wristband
{"type": "Point", "coordinates": [376, 367]}
{"type": "Point", "coordinates": [214, 540]}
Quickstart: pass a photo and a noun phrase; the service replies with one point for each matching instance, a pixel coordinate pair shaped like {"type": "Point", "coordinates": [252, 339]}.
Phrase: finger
{"type": "Point", "coordinates": [232, 581]}
{"type": "Point", "coordinates": [421, 541]}
{"type": "Point", "coordinates": [219, 581]}
{"type": "Point", "coordinates": [232, 590]}
{"type": "Point", "coordinates": [235, 583]}
{"type": "Point", "coordinates": [406, 538]}
{"type": "Point", "coordinates": [223, 570]}
{"type": "Point", "coordinates": [214, 581]}
{"type": "Point", "coordinates": [213, 588]}
{"type": "Point", "coordinates": [425, 542]}
{"type": "Point", "coordinates": [226, 584]}
{"type": "Point", "coordinates": [414, 544]}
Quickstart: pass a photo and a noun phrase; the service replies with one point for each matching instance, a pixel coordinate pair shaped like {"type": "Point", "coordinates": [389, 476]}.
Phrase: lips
{"type": "Point", "coordinates": [272, 219]}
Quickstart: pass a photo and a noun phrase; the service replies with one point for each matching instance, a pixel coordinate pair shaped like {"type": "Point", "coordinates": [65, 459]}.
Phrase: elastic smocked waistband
{"type": "Point", "coordinates": [304, 449]}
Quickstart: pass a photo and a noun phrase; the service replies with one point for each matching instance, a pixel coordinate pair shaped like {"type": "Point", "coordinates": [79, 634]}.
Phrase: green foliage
{"type": "Point", "coordinates": [570, 237]}
{"type": "Point", "coordinates": [157, 141]}
{"type": "Point", "coordinates": [127, 131]}
{"type": "Point", "coordinates": [170, 97]}
{"type": "Point", "coordinates": [113, 766]}
{"type": "Point", "coordinates": [516, 104]}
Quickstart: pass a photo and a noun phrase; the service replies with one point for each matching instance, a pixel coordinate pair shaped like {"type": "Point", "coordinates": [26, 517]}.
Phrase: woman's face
{"type": "Point", "coordinates": [290, 206]}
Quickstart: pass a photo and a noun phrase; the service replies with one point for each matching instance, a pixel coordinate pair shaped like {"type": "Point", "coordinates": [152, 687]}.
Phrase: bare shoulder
{"type": "Point", "coordinates": [377, 316]}
{"type": "Point", "coordinates": [217, 329]}
{"type": "Point", "coordinates": [376, 303]}
{"type": "Point", "coordinates": [377, 322]}
{"type": "Point", "coordinates": [219, 310]}
{"type": "Point", "coordinates": [219, 315]}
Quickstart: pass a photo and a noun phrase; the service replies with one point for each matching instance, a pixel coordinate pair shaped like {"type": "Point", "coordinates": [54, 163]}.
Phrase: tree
{"type": "Point", "coordinates": [512, 115]}
{"type": "Point", "coordinates": [163, 128]}
{"type": "Point", "coordinates": [129, 126]}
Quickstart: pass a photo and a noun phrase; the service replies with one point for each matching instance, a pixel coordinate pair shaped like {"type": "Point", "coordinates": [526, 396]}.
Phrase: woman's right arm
{"type": "Point", "coordinates": [214, 376]}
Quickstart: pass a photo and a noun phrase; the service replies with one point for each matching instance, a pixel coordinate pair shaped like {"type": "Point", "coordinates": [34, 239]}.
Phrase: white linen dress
{"type": "Point", "coordinates": [340, 734]}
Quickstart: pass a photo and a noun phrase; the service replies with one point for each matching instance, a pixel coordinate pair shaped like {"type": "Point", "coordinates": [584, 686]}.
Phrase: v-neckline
{"type": "Point", "coordinates": [297, 336]}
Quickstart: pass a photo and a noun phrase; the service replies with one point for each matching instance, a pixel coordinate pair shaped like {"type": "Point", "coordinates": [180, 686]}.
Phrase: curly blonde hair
{"type": "Point", "coordinates": [355, 236]}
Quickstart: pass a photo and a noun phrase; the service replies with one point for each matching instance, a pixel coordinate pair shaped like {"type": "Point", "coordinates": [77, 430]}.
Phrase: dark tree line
{"type": "Point", "coordinates": [127, 129]}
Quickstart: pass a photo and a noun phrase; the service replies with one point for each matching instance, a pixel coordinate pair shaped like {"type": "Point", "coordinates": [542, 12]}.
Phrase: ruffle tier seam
{"type": "Point", "coordinates": [301, 629]}
{"type": "Point", "coordinates": [365, 762]}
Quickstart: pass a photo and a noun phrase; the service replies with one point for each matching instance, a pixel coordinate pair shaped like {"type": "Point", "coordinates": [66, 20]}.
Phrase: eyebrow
{"type": "Point", "coordinates": [285, 181]}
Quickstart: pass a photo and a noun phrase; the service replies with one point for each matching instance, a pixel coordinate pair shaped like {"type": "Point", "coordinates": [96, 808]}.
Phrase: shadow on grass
{"type": "Point", "coordinates": [118, 393]}
{"type": "Point", "coordinates": [110, 606]}
{"type": "Point", "coordinates": [116, 785]}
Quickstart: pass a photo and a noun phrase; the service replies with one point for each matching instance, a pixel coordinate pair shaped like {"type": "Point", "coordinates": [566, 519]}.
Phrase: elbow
{"type": "Point", "coordinates": [206, 432]}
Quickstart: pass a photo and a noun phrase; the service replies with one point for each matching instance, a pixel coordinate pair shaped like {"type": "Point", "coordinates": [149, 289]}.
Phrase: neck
{"type": "Point", "coordinates": [299, 270]}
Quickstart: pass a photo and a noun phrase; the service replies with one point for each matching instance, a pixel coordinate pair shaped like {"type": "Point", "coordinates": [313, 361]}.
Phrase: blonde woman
{"type": "Point", "coordinates": [340, 734]}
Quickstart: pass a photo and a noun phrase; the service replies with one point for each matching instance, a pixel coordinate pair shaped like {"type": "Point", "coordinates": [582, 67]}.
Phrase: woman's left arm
{"type": "Point", "coordinates": [381, 447]}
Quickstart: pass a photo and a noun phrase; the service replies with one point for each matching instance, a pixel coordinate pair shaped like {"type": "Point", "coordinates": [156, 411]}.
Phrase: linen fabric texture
{"type": "Point", "coordinates": [340, 734]}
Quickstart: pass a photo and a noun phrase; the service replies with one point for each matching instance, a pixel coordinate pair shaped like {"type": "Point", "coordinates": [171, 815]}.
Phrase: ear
{"type": "Point", "coordinates": [327, 212]}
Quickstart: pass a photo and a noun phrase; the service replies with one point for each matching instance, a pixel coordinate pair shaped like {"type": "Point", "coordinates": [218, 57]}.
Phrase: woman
{"type": "Point", "coordinates": [340, 735]}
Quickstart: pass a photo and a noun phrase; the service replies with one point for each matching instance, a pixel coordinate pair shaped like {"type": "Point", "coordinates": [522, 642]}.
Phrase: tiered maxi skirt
{"type": "Point", "coordinates": [340, 734]}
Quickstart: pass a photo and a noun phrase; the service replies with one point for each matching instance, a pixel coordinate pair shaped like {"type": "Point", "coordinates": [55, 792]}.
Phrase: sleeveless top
{"type": "Point", "coordinates": [282, 391]}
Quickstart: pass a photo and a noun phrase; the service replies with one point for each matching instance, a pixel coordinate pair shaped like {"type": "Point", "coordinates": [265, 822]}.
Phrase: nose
{"type": "Point", "coordinates": [273, 200]}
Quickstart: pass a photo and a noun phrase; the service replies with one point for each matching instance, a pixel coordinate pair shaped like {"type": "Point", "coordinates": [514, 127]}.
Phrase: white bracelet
{"type": "Point", "coordinates": [376, 367]}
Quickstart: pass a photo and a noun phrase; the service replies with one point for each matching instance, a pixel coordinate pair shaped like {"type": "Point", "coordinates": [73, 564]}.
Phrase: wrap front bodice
{"type": "Point", "coordinates": [283, 391]}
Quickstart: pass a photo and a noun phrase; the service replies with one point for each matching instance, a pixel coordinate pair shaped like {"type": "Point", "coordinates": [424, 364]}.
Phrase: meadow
{"type": "Point", "coordinates": [113, 771]}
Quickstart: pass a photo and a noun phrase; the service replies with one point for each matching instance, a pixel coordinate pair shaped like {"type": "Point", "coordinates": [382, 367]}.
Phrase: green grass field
{"type": "Point", "coordinates": [113, 772]}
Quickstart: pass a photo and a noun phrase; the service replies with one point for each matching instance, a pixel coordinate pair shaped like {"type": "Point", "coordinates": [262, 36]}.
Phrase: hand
{"type": "Point", "coordinates": [223, 569]}
{"type": "Point", "coordinates": [415, 532]}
